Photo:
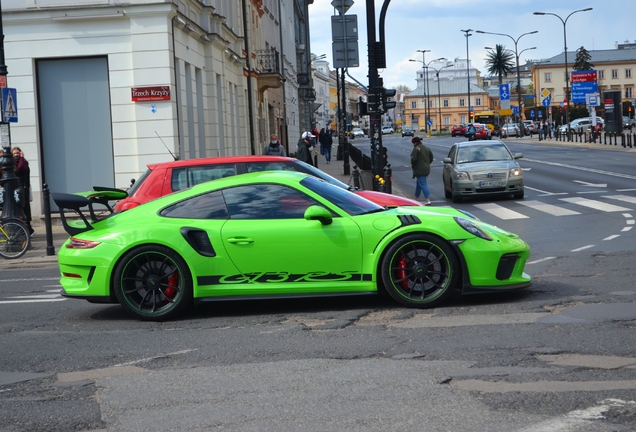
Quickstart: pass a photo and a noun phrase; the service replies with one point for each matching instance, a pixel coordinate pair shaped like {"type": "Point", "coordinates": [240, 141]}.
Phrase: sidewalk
{"type": "Point", "coordinates": [38, 254]}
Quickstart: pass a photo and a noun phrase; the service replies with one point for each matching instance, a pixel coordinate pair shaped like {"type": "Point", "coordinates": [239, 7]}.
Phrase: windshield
{"type": "Point", "coordinates": [138, 183]}
{"type": "Point", "coordinates": [481, 153]}
{"type": "Point", "coordinates": [309, 169]}
{"type": "Point", "coordinates": [351, 203]}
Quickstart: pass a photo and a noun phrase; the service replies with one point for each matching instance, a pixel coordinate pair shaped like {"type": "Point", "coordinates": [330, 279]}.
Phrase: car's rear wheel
{"type": "Point", "coordinates": [420, 270]}
{"type": "Point", "coordinates": [153, 283]}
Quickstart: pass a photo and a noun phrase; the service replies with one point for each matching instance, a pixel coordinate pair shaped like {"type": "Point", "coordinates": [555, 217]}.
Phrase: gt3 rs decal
{"type": "Point", "coordinates": [282, 277]}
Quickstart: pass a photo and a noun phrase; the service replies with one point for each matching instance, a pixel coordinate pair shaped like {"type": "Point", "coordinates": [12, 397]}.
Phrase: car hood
{"type": "Point", "coordinates": [487, 165]}
{"type": "Point", "coordinates": [387, 200]}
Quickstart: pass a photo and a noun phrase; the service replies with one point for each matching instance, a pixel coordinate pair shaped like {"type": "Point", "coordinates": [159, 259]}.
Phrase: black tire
{"type": "Point", "coordinates": [447, 194]}
{"type": "Point", "coordinates": [420, 270]}
{"type": "Point", "coordinates": [455, 197]}
{"type": "Point", "coordinates": [519, 195]}
{"type": "Point", "coordinates": [153, 283]}
{"type": "Point", "coordinates": [14, 238]}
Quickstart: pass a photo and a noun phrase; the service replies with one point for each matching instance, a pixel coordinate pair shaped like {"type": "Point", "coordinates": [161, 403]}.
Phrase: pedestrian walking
{"type": "Point", "coordinates": [274, 147]}
{"type": "Point", "coordinates": [326, 141]}
{"type": "Point", "coordinates": [421, 160]}
{"type": "Point", "coordinates": [23, 173]}
{"type": "Point", "coordinates": [304, 147]}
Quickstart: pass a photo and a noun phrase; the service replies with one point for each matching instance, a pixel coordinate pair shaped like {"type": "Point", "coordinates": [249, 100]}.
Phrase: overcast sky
{"type": "Point", "coordinates": [436, 25]}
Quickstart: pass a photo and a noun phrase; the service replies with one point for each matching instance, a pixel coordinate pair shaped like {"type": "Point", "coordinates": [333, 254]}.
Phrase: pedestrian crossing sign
{"type": "Point", "coordinates": [9, 105]}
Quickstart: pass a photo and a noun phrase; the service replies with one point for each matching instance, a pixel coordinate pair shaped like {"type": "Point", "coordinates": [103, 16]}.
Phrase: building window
{"type": "Point", "coordinates": [629, 92]}
{"type": "Point", "coordinates": [462, 103]}
{"type": "Point", "coordinates": [601, 74]}
{"type": "Point", "coordinates": [447, 121]}
{"type": "Point", "coordinates": [614, 73]}
{"type": "Point", "coordinates": [628, 73]}
{"type": "Point", "coordinates": [462, 119]}
{"type": "Point", "coordinates": [548, 77]}
{"type": "Point", "coordinates": [413, 104]}
{"type": "Point", "coordinates": [478, 101]}
{"type": "Point", "coordinates": [445, 103]}
{"type": "Point", "coordinates": [430, 103]}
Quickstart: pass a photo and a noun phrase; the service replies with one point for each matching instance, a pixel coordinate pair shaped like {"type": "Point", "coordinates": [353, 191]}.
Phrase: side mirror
{"type": "Point", "coordinates": [447, 160]}
{"type": "Point", "coordinates": [132, 182]}
{"type": "Point", "coordinates": [518, 155]}
{"type": "Point", "coordinates": [318, 213]}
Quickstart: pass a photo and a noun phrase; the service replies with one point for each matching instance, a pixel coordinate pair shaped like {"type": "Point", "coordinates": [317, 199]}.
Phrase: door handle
{"type": "Point", "coordinates": [240, 240]}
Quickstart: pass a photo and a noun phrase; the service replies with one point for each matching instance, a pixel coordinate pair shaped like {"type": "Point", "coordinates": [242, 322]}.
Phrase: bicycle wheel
{"type": "Point", "coordinates": [14, 238]}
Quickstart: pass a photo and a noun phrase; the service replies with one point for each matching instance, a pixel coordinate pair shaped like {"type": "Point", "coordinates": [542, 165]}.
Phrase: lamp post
{"type": "Point", "coordinates": [517, 53]}
{"type": "Point", "coordinates": [565, 51]}
{"type": "Point", "coordinates": [424, 69]}
{"type": "Point", "coordinates": [439, 96]}
{"type": "Point", "coordinates": [426, 92]}
{"type": "Point", "coordinates": [468, 33]}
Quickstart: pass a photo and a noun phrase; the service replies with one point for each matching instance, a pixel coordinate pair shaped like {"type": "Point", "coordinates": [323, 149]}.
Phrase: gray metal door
{"type": "Point", "coordinates": [75, 124]}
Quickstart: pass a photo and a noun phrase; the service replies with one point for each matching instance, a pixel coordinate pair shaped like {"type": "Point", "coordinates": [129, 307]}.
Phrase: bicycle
{"type": "Point", "coordinates": [14, 238]}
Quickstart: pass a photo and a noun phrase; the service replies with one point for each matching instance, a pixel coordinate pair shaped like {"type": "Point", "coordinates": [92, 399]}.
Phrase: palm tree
{"type": "Point", "coordinates": [499, 62]}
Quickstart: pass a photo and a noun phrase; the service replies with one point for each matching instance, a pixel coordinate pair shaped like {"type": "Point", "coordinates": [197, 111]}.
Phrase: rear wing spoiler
{"type": "Point", "coordinates": [75, 202]}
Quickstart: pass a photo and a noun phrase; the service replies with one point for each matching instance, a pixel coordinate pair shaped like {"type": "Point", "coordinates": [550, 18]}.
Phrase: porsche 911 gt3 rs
{"type": "Point", "coordinates": [278, 234]}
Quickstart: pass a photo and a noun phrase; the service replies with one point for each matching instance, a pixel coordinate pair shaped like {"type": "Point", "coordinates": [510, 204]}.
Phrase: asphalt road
{"type": "Point", "coordinates": [559, 356]}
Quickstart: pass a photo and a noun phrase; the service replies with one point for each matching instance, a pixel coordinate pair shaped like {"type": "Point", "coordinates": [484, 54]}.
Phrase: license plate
{"type": "Point", "coordinates": [490, 184]}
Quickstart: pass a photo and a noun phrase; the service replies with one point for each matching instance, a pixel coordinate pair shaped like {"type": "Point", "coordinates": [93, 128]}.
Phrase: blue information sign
{"type": "Point", "coordinates": [531, 113]}
{"type": "Point", "coordinates": [9, 105]}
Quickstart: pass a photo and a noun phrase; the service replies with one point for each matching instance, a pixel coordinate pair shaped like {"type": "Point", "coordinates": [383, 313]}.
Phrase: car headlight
{"type": "Point", "coordinates": [515, 172]}
{"type": "Point", "coordinates": [461, 176]}
{"type": "Point", "coordinates": [472, 228]}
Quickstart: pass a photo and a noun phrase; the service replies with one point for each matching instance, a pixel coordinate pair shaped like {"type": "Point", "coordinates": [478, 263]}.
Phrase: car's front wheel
{"type": "Point", "coordinates": [420, 270]}
{"type": "Point", "coordinates": [153, 283]}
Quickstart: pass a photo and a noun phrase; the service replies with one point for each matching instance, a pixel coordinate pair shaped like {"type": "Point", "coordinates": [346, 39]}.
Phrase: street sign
{"type": "Point", "coordinates": [545, 102]}
{"type": "Point", "coordinates": [546, 97]}
{"type": "Point", "coordinates": [3, 80]}
{"type": "Point", "coordinates": [344, 31]}
{"type": "Point", "coordinates": [531, 113]}
{"type": "Point", "coordinates": [583, 83]}
{"type": "Point", "coordinates": [504, 96]}
{"type": "Point", "coordinates": [515, 110]}
{"type": "Point", "coordinates": [342, 6]}
{"type": "Point", "coordinates": [429, 122]}
{"type": "Point", "coordinates": [9, 105]}
{"type": "Point", "coordinates": [540, 113]}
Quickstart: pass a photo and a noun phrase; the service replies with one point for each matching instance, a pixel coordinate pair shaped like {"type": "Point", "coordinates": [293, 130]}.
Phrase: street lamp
{"type": "Point", "coordinates": [426, 92]}
{"type": "Point", "coordinates": [565, 51]}
{"type": "Point", "coordinates": [425, 88]}
{"type": "Point", "coordinates": [517, 53]}
{"type": "Point", "coordinates": [468, 33]}
{"type": "Point", "coordinates": [439, 96]}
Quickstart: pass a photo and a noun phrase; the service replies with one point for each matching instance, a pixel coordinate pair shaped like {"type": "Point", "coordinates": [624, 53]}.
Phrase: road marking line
{"type": "Point", "coordinates": [548, 208]}
{"type": "Point", "coordinates": [500, 212]}
{"type": "Point", "coordinates": [625, 198]}
{"type": "Point", "coordinates": [596, 205]}
{"type": "Point", "coordinates": [540, 260]}
{"type": "Point", "coordinates": [612, 237]}
{"type": "Point", "coordinates": [626, 229]}
{"type": "Point", "coordinates": [32, 301]}
{"type": "Point", "coordinates": [582, 248]}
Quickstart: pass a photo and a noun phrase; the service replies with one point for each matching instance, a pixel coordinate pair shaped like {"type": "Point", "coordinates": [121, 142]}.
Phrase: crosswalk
{"type": "Point", "coordinates": [566, 206]}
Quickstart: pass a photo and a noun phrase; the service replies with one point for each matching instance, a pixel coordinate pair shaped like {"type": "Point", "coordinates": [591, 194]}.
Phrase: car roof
{"type": "Point", "coordinates": [479, 143]}
{"type": "Point", "coordinates": [218, 160]}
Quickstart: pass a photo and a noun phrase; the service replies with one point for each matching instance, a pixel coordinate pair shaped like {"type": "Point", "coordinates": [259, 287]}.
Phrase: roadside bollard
{"type": "Point", "coordinates": [388, 174]}
{"type": "Point", "coordinates": [46, 201]}
{"type": "Point", "coordinates": [356, 177]}
{"type": "Point", "coordinates": [316, 159]}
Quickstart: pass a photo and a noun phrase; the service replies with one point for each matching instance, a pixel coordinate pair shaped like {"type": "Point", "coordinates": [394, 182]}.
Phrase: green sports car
{"type": "Point", "coordinates": [278, 234]}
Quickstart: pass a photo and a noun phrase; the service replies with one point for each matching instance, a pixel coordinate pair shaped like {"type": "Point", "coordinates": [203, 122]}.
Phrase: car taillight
{"type": "Point", "coordinates": [126, 205]}
{"type": "Point", "coordinates": [81, 244]}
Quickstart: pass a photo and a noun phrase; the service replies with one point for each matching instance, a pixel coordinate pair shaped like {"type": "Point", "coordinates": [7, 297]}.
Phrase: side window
{"type": "Point", "coordinates": [267, 166]}
{"type": "Point", "coordinates": [183, 178]}
{"type": "Point", "coordinates": [451, 153]}
{"type": "Point", "coordinates": [266, 201]}
{"type": "Point", "coordinates": [206, 206]}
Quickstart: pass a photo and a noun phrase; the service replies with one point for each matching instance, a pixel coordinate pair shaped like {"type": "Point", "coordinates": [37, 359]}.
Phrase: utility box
{"type": "Point", "coordinates": [613, 111]}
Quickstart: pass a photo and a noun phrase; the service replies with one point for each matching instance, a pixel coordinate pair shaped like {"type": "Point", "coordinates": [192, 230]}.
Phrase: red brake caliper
{"type": "Point", "coordinates": [173, 280]}
{"type": "Point", "coordinates": [401, 272]}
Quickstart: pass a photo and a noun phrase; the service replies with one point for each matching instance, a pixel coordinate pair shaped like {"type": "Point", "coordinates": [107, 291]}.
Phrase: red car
{"type": "Point", "coordinates": [482, 132]}
{"type": "Point", "coordinates": [164, 178]}
{"type": "Point", "coordinates": [458, 130]}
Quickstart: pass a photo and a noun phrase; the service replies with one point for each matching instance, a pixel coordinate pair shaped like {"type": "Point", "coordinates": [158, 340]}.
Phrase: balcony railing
{"type": "Point", "coordinates": [268, 61]}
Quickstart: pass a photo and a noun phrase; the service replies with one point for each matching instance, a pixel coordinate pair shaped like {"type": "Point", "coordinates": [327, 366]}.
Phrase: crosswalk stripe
{"type": "Point", "coordinates": [597, 205]}
{"type": "Point", "coordinates": [624, 198]}
{"type": "Point", "coordinates": [548, 208]}
{"type": "Point", "coordinates": [500, 212]}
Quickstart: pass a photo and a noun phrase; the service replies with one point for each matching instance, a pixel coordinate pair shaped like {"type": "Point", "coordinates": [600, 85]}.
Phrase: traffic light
{"type": "Point", "coordinates": [550, 111]}
{"type": "Point", "coordinates": [387, 98]}
{"type": "Point", "coordinates": [362, 107]}
{"type": "Point", "coordinates": [470, 116]}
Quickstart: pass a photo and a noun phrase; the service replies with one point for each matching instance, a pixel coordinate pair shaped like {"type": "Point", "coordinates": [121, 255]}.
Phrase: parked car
{"type": "Point", "coordinates": [246, 237]}
{"type": "Point", "coordinates": [482, 132]}
{"type": "Point", "coordinates": [357, 133]}
{"type": "Point", "coordinates": [475, 169]}
{"type": "Point", "coordinates": [458, 130]}
{"type": "Point", "coordinates": [628, 122]}
{"type": "Point", "coordinates": [407, 131]}
{"type": "Point", "coordinates": [530, 127]}
{"type": "Point", "coordinates": [583, 124]}
{"type": "Point", "coordinates": [510, 129]}
{"type": "Point", "coordinates": [387, 130]}
{"type": "Point", "coordinates": [165, 178]}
